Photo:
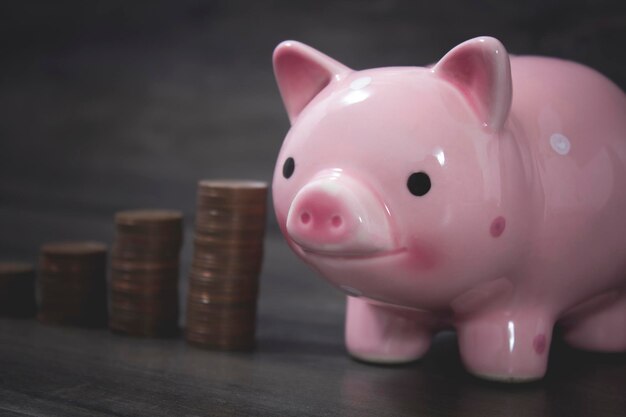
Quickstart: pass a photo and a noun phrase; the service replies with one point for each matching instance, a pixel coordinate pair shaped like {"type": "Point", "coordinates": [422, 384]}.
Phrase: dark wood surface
{"type": "Point", "coordinates": [298, 369]}
{"type": "Point", "coordinates": [114, 105]}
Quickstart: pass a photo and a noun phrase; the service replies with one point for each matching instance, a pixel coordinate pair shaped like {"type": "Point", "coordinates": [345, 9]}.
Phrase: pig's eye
{"type": "Point", "coordinates": [288, 167]}
{"type": "Point", "coordinates": [418, 183]}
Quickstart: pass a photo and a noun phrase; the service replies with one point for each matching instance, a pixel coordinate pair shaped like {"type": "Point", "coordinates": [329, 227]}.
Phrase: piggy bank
{"type": "Point", "coordinates": [484, 193]}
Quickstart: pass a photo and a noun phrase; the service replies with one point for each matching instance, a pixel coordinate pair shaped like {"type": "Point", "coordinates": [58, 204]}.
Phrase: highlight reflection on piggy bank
{"type": "Point", "coordinates": [483, 193]}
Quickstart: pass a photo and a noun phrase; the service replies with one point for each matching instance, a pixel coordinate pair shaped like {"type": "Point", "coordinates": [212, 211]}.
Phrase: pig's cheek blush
{"type": "Point", "coordinates": [497, 226]}
{"type": "Point", "coordinates": [421, 255]}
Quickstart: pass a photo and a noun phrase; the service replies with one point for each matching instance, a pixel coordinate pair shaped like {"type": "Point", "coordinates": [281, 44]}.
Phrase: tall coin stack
{"type": "Point", "coordinates": [72, 284]}
{"type": "Point", "coordinates": [17, 290]}
{"type": "Point", "coordinates": [144, 272]}
{"type": "Point", "coordinates": [228, 252]}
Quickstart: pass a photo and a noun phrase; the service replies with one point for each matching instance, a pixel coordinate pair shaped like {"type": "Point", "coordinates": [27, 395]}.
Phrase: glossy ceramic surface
{"type": "Point", "coordinates": [483, 193]}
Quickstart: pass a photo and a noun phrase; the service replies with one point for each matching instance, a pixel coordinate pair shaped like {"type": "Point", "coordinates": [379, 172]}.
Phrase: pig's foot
{"type": "Point", "coordinates": [503, 346]}
{"type": "Point", "coordinates": [384, 334]}
{"type": "Point", "coordinates": [599, 325]}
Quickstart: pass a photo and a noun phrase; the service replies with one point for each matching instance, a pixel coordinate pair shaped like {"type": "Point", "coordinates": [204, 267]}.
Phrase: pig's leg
{"type": "Point", "coordinates": [599, 325]}
{"type": "Point", "coordinates": [384, 334]}
{"type": "Point", "coordinates": [506, 345]}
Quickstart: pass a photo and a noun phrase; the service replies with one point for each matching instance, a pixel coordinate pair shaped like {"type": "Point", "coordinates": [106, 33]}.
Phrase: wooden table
{"type": "Point", "coordinates": [299, 368]}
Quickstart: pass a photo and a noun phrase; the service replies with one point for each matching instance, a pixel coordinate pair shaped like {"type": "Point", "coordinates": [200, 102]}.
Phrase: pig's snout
{"type": "Point", "coordinates": [318, 217]}
{"type": "Point", "coordinates": [338, 216]}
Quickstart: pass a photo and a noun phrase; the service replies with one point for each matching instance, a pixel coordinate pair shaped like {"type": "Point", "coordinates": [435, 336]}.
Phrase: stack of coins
{"type": "Point", "coordinates": [72, 284]}
{"type": "Point", "coordinates": [17, 290]}
{"type": "Point", "coordinates": [228, 252]}
{"type": "Point", "coordinates": [144, 272]}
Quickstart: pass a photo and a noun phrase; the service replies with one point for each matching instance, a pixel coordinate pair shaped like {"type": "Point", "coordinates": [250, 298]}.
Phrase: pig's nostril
{"type": "Point", "coordinates": [305, 218]}
{"type": "Point", "coordinates": [336, 221]}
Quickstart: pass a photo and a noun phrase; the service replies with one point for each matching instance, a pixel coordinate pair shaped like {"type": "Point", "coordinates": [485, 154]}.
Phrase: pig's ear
{"type": "Point", "coordinates": [302, 72]}
{"type": "Point", "coordinates": [481, 70]}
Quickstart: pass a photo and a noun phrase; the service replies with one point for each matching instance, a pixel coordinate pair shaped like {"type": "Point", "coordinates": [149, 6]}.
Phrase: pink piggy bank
{"type": "Point", "coordinates": [485, 193]}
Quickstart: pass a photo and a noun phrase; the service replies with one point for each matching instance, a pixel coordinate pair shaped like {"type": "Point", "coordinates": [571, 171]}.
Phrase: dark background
{"type": "Point", "coordinates": [114, 105]}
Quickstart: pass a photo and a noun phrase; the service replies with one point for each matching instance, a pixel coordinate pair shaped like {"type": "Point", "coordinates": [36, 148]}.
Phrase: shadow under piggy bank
{"type": "Point", "coordinates": [577, 384]}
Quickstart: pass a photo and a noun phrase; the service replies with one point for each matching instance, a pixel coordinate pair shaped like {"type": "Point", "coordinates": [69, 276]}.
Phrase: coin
{"type": "Point", "coordinates": [149, 218]}
{"type": "Point", "coordinates": [72, 283]}
{"type": "Point", "coordinates": [144, 272]}
{"type": "Point", "coordinates": [228, 253]}
{"type": "Point", "coordinates": [73, 250]}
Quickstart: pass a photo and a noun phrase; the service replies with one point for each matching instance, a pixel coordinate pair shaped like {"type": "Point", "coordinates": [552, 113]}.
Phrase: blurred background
{"type": "Point", "coordinates": [109, 105]}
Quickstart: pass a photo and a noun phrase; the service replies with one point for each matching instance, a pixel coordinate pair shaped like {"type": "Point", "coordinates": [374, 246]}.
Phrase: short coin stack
{"type": "Point", "coordinates": [72, 284]}
{"type": "Point", "coordinates": [144, 272]}
{"type": "Point", "coordinates": [17, 290]}
{"type": "Point", "coordinates": [228, 252]}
